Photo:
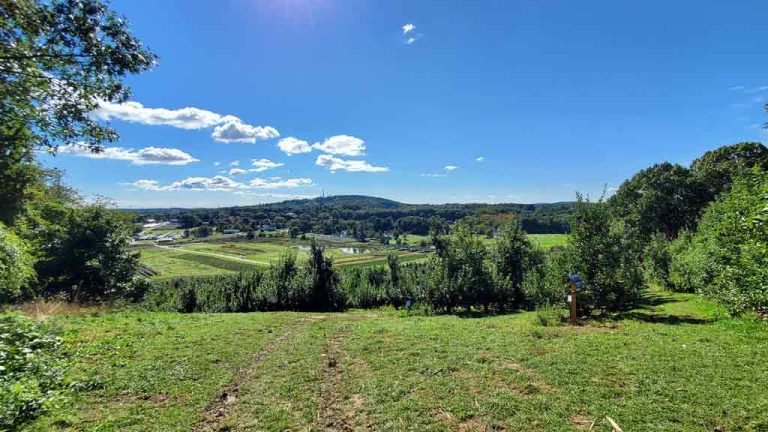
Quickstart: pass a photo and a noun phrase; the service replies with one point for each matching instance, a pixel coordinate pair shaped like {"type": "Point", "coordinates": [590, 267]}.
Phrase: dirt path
{"type": "Point", "coordinates": [337, 409]}
{"type": "Point", "coordinates": [229, 257]}
{"type": "Point", "coordinates": [217, 411]}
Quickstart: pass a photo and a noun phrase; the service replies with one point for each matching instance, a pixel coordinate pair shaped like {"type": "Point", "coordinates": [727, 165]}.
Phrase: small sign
{"type": "Point", "coordinates": [576, 281]}
{"type": "Point", "coordinates": [569, 298]}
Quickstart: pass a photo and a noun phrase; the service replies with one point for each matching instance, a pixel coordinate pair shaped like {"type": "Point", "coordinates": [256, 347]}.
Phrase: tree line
{"type": "Point", "coordinates": [367, 217]}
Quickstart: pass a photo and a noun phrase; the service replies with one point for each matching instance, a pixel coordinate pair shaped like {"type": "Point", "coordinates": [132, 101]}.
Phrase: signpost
{"type": "Point", "coordinates": [576, 284]}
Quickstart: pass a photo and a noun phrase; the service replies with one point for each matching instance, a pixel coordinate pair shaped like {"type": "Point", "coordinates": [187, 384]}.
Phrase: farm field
{"type": "Point", "coordinates": [221, 257]}
{"type": "Point", "coordinates": [676, 364]}
{"type": "Point", "coordinates": [218, 256]}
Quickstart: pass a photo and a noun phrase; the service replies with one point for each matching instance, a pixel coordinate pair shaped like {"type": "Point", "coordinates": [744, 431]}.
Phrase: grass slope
{"type": "Point", "coordinates": [676, 364]}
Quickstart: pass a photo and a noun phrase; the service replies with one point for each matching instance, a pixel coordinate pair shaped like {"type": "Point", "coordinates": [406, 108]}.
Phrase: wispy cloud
{"type": "Point", "coordinates": [234, 163]}
{"type": "Point", "coordinates": [261, 165]}
{"type": "Point", "coordinates": [292, 145]}
{"type": "Point", "coordinates": [337, 164]}
{"type": "Point", "coordinates": [479, 159]}
{"type": "Point", "coordinates": [409, 34]}
{"type": "Point", "coordinates": [145, 156]}
{"type": "Point", "coordinates": [228, 128]}
{"type": "Point", "coordinates": [220, 184]}
{"type": "Point", "coordinates": [434, 175]}
{"type": "Point", "coordinates": [450, 167]}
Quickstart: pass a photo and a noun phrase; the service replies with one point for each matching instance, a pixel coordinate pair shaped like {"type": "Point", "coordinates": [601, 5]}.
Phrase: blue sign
{"type": "Point", "coordinates": [576, 281]}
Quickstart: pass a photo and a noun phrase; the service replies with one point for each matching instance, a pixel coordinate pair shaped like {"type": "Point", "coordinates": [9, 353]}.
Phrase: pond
{"type": "Point", "coordinates": [354, 250]}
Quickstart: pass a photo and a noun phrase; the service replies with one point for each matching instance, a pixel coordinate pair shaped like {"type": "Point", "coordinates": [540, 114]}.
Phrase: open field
{"type": "Point", "coordinates": [676, 364]}
{"type": "Point", "coordinates": [547, 241]}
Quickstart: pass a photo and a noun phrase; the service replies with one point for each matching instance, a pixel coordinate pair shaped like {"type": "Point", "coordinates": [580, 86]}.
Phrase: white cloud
{"type": "Point", "coordinates": [234, 163]}
{"type": "Point", "coordinates": [479, 159]}
{"type": "Point", "coordinates": [291, 145]}
{"type": "Point", "coordinates": [407, 28]}
{"type": "Point", "coordinates": [262, 165]}
{"type": "Point", "coordinates": [145, 156]}
{"type": "Point", "coordinates": [433, 175]}
{"type": "Point", "coordinates": [228, 128]}
{"type": "Point", "coordinates": [450, 167]}
{"type": "Point", "coordinates": [184, 118]}
{"type": "Point", "coordinates": [342, 145]}
{"type": "Point", "coordinates": [337, 164]}
{"type": "Point", "coordinates": [216, 163]}
{"type": "Point", "coordinates": [237, 131]}
{"type": "Point", "coordinates": [219, 184]}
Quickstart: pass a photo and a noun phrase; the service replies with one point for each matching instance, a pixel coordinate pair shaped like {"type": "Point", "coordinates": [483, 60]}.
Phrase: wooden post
{"type": "Point", "coordinates": [573, 303]}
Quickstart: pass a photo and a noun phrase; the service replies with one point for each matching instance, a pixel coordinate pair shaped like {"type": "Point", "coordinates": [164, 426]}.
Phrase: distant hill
{"type": "Point", "coordinates": [351, 201]}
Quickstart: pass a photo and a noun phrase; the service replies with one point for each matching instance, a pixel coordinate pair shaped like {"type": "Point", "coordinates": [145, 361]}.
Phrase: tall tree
{"type": "Point", "coordinates": [663, 198]}
{"type": "Point", "coordinates": [59, 60]}
{"type": "Point", "coordinates": [717, 169]}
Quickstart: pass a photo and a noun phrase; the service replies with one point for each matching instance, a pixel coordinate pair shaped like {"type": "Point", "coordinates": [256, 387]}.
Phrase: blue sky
{"type": "Point", "coordinates": [554, 96]}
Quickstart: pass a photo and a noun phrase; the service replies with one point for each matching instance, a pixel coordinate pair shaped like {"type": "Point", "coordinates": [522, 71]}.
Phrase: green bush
{"type": "Point", "coordinates": [550, 316]}
{"type": "Point", "coordinates": [691, 267]}
{"type": "Point", "coordinates": [547, 283]}
{"type": "Point", "coordinates": [16, 266]}
{"type": "Point", "coordinates": [32, 367]}
{"type": "Point", "coordinates": [656, 260]}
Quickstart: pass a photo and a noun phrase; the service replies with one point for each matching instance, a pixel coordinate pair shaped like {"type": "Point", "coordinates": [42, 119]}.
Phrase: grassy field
{"type": "Point", "coordinates": [676, 364]}
{"type": "Point", "coordinates": [547, 241]}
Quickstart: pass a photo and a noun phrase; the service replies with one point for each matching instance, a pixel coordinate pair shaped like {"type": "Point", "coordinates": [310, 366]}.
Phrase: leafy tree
{"type": "Point", "coordinates": [202, 231]}
{"type": "Point", "coordinates": [718, 168]}
{"type": "Point", "coordinates": [663, 198]}
{"type": "Point", "coordinates": [460, 275]}
{"type": "Point", "coordinates": [189, 220]}
{"type": "Point", "coordinates": [16, 266]}
{"type": "Point", "coordinates": [323, 280]}
{"type": "Point", "coordinates": [88, 259]}
{"type": "Point", "coordinates": [604, 252]}
{"type": "Point", "coordinates": [511, 256]}
{"type": "Point", "coordinates": [59, 60]}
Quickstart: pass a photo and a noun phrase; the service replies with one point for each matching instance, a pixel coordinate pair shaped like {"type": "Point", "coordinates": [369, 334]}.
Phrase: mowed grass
{"type": "Point", "coordinates": [177, 262]}
{"type": "Point", "coordinates": [677, 364]}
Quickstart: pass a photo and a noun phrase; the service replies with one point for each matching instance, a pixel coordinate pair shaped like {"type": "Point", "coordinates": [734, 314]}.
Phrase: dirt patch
{"type": "Point", "coordinates": [536, 380]}
{"type": "Point", "coordinates": [473, 424]}
{"type": "Point", "coordinates": [216, 412]}
{"type": "Point", "coordinates": [581, 421]}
